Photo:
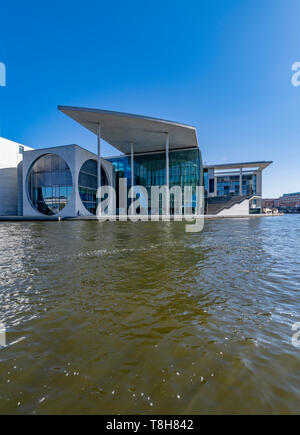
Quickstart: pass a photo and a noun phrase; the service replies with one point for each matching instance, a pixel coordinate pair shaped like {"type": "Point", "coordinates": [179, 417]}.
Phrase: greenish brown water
{"type": "Point", "coordinates": [145, 318]}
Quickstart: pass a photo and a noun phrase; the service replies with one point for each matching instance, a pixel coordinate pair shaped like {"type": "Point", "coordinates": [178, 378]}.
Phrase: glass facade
{"type": "Point", "coordinates": [230, 185]}
{"type": "Point", "coordinates": [185, 169]}
{"type": "Point", "coordinates": [87, 184]}
{"type": "Point", "coordinates": [249, 184]}
{"type": "Point", "coordinates": [49, 184]}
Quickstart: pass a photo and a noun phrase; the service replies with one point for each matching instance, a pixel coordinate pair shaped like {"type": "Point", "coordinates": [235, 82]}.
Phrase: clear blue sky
{"type": "Point", "coordinates": [223, 66]}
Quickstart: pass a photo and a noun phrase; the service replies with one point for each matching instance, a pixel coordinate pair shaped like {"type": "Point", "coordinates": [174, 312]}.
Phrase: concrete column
{"type": "Point", "coordinates": [99, 159]}
{"type": "Point", "coordinates": [167, 175]}
{"type": "Point", "coordinates": [241, 181]}
{"type": "Point", "coordinates": [259, 188]}
{"type": "Point", "coordinates": [215, 186]}
{"type": "Point", "coordinates": [259, 183]}
{"type": "Point", "coordinates": [131, 164]}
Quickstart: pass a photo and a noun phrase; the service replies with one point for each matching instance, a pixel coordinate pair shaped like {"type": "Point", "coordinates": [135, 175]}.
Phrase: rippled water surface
{"type": "Point", "coordinates": [146, 318]}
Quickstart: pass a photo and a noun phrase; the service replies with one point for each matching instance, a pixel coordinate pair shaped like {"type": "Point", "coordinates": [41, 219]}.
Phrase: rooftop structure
{"type": "Point", "coordinates": [123, 129]}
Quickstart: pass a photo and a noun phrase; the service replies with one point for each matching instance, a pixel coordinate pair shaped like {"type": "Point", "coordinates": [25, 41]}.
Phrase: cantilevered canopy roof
{"type": "Point", "coordinates": [259, 165]}
{"type": "Point", "coordinates": [120, 129]}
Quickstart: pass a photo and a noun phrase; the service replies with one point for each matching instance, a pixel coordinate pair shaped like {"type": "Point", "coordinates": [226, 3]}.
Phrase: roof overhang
{"type": "Point", "coordinates": [121, 129]}
{"type": "Point", "coordinates": [254, 165]}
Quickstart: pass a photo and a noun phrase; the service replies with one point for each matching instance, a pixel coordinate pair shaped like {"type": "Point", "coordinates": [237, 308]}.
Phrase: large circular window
{"type": "Point", "coordinates": [87, 184]}
{"type": "Point", "coordinates": [50, 184]}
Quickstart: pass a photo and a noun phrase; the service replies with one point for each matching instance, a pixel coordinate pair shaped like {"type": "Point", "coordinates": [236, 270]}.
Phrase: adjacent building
{"type": "Point", "coordinates": [288, 200]}
{"type": "Point", "coordinates": [63, 180]}
{"type": "Point", "coordinates": [11, 156]}
{"type": "Point", "coordinates": [234, 187]}
{"type": "Point", "coordinates": [287, 203]}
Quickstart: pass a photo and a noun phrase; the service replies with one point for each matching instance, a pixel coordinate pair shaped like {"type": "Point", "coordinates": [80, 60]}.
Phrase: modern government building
{"type": "Point", "coordinates": [63, 180]}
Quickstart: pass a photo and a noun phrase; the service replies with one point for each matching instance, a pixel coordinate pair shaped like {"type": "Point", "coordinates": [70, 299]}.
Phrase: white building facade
{"type": "Point", "coordinates": [11, 156]}
{"type": "Point", "coordinates": [61, 181]}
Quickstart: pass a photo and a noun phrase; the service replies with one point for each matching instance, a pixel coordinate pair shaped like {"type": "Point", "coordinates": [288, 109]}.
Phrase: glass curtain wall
{"type": "Point", "coordinates": [87, 184]}
{"type": "Point", "coordinates": [249, 184]}
{"type": "Point", "coordinates": [230, 185]}
{"type": "Point", "coordinates": [49, 184]}
{"type": "Point", "coordinates": [185, 169]}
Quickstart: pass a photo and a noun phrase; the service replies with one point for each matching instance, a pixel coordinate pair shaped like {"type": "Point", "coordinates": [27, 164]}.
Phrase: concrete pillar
{"type": "Point", "coordinates": [216, 186]}
{"type": "Point", "coordinates": [259, 188]}
{"type": "Point", "coordinates": [259, 183]}
{"type": "Point", "coordinates": [131, 164]}
{"type": "Point", "coordinates": [241, 181]}
{"type": "Point", "coordinates": [167, 175]}
{"type": "Point", "coordinates": [99, 160]}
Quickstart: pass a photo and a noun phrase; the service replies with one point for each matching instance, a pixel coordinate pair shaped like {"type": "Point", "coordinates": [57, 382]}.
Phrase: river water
{"type": "Point", "coordinates": [122, 317]}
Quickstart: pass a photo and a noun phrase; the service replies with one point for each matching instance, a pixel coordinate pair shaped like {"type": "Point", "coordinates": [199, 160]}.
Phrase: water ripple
{"type": "Point", "coordinates": [145, 318]}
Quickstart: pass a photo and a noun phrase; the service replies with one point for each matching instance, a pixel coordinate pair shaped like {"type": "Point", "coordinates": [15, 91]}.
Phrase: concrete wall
{"type": "Point", "coordinates": [10, 157]}
{"type": "Point", "coordinates": [241, 209]}
{"type": "Point", "coordinates": [75, 157]}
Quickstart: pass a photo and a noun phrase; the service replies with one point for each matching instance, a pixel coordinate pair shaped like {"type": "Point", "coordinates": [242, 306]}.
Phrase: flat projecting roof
{"type": "Point", "coordinates": [260, 165]}
{"type": "Point", "coordinates": [120, 129]}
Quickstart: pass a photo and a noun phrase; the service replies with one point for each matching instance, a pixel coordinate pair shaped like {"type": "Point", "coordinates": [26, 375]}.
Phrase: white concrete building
{"type": "Point", "coordinates": [62, 181]}
{"type": "Point", "coordinates": [239, 183]}
{"type": "Point", "coordinates": [11, 156]}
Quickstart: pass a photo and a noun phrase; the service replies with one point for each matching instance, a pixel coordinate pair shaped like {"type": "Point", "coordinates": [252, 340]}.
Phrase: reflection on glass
{"type": "Point", "coordinates": [50, 184]}
{"type": "Point", "coordinates": [230, 185]}
{"type": "Point", "coordinates": [185, 169]}
{"type": "Point", "coordinates": [87, 184]}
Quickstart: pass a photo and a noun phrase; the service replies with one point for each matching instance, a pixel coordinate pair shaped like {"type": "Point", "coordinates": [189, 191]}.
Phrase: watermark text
{"type": "Point", "coordinates": [2, 335]}
{"type": "Point", "coordinates": [2, 74]}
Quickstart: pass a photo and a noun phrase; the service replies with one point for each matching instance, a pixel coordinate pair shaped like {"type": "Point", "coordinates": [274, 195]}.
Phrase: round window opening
{"type": "Point", "coordinates": [87, 184]}
{"type": "Point", "coordinates": [49, 184]}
